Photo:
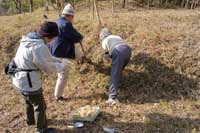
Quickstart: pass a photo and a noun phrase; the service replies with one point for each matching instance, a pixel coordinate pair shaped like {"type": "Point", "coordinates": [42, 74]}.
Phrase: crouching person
{"type": "Point", "coordinates": [33, 57]}
{"type": "Point", "coordinates": [118, 52]}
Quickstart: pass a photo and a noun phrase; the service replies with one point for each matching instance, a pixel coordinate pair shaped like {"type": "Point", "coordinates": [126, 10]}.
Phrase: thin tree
{"type": "Point", "coordinates": [92, 6]}
{"type": "Point", "coordinates": [18, 5]}
{"type": "Point", "coordinates": [60, 6]}
{"type": "Point", "coordinates": [148, 3]}
{"type": "Point", "coordinates": [166, 3]}
{"type": "Point", "coordinates": [183, 3]}
{"type": "Point", "coordinates": [97, 12]}
{"type": "Point", "coordinates": [30, 5]}
{"type": "Point", "coordinates": [194, 4]}
{"type": "Point", "coordinates": [74, 2]}
{"type": "Point", "coordinates": [113, 6]}
{"type": "Point", "coordinates": [123, 3]}
{"type": "Point", "coordinates": [47, 6]}
{"type": "Point", "coordinates": [187, 4]}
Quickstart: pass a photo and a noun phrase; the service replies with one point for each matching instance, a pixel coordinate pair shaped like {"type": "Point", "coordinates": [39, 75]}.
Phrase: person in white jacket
{"type": "Point", "coordinates": [33, 57]}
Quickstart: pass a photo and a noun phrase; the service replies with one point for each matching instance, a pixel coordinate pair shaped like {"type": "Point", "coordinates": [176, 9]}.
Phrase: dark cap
{"type": "Point", "coordinates": [48, 29]}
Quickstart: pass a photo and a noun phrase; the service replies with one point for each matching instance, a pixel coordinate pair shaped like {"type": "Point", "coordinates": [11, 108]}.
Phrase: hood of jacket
{"type": "Point", "coordinates": [31, 39]}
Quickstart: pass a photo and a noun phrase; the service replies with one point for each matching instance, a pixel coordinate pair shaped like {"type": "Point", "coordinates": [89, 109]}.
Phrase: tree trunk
{"type": "Point", "coordinates": [97, 12]}
{"type": "Point", "coordinates": [30, 5]}
{"type": "Point", "coordinates": [92, 6]}
{"type": "Point", "coordinates": [60, 6]}
{"type": "Point", "coordinates": [196, 3]}
{"type": "Point", "coordinates": [160, 2]}
{"type": "Point", "coordinates": [123, 3]}
{"type": "Point", "coordinates": [166, 3]}
{"type": "Point", "coordinates": [113, 6]}
{"type": "Point", "coordinates": [176, 2]}
{"type": "Point", "coordinates": [74, 2]}
{"type": "Point", "coordinates": [18, 5]}
{"type": "Point", "coordinates": [47, 6]}
{"type": "Point", "coordinates": [192, 4]}
{"type": "Point", "coordinates": [183, 3]}
{"type": "Point", "coordinates": [187, 3]}
{"type": "Point", "coordinates": [52, 4]}
{"type": "Point", "coordinates": [148, 3]}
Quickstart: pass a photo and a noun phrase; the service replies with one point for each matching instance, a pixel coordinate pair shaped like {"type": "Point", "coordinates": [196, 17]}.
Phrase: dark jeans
{"type": "Point", "coordinates": [120, 58]}
{"type": "Point", "coordinates": [35, 109]}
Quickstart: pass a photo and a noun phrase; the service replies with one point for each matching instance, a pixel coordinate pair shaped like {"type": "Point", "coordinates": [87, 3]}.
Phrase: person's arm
{"type": "Point", "coordinates": [105, 45]}
{"type": "Point", "coordinates": [44, 61]}
{"type": "Point", "coordinates": [72, 34]}
{"type": "Point", "coordinates": [106, 56]}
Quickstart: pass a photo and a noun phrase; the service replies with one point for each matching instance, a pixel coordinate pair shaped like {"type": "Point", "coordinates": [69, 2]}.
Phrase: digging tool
{"type": "Point", "coordinates": [84, 55]}
{"type": "Point", "coordinates": [84, 59]}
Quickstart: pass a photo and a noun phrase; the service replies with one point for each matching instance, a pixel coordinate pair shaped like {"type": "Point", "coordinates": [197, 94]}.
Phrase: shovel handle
{"type": "Point", "coordinates": [82, 49]}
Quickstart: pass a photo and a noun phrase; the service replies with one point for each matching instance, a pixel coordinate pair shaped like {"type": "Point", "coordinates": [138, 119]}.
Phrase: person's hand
{"type": "Point", "coordinates": [66, 63]}
{"type": "Point", "coordinates": [108, 60]}
{"type": "Point", "coordinates": [81, 60]}
{"type": "Point", "coordinates": [107, 57]}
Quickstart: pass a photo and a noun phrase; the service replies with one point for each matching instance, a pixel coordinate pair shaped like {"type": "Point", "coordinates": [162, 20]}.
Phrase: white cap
{"type": "Point", "coordinates": [68, 10]}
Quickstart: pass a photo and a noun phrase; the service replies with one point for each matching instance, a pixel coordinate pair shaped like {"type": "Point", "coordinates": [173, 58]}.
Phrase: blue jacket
{"type": "Point", "coordinates": [63, 45]}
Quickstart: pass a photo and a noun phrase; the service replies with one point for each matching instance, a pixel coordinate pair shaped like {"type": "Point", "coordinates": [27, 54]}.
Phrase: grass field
{"type": "Point", "coordinates": [160, 87]}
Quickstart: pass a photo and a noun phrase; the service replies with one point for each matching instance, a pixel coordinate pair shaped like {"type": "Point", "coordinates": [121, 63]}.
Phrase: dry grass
{"type": "Point", "coordinates": [160, 86]}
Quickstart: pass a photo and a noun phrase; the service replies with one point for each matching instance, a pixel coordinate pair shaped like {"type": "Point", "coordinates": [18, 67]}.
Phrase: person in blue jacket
{"type": "Point", "coordinates": [63, 46]}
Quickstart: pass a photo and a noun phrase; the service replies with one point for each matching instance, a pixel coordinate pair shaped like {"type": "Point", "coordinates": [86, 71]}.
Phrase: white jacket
{"type": "Point", "coordinates": [34, 54]}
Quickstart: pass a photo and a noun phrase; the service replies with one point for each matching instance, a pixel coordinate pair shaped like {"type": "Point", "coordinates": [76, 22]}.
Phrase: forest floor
{"type": "Point", "coordinates": [160, 87]}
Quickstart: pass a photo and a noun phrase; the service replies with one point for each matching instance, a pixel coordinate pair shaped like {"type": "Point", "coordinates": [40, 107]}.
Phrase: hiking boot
{"type": "Point", "coordinates": [112, 101]}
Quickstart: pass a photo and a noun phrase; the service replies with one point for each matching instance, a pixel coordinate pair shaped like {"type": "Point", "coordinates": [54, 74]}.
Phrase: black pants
{"type": "Point", "coordinates": [35, 109]}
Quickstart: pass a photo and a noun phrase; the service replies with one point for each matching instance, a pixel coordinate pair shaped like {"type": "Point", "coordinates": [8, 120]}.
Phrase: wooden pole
{"type": "Point", "coordinates": [97, 12]}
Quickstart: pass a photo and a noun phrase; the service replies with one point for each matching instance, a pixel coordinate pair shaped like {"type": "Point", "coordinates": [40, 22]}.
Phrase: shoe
{"type": "Point", "coordinates": [112, 101]}
{"type": "Point", "coordinates": [60, 98]}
